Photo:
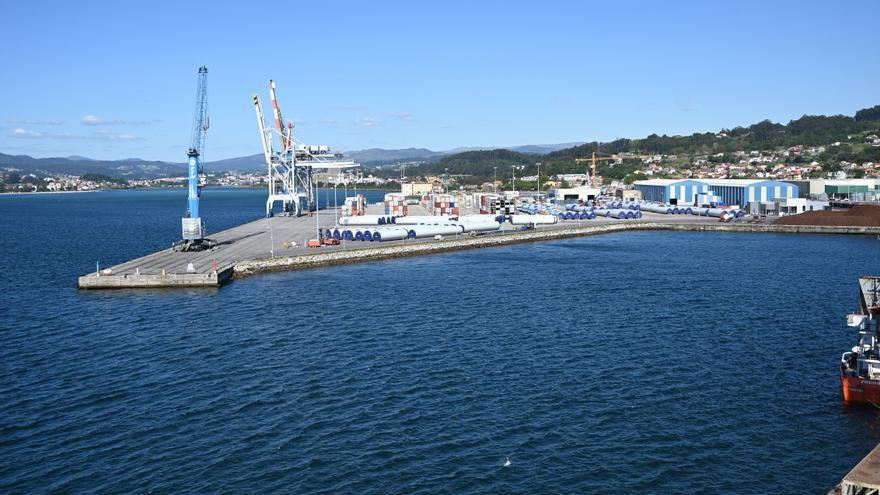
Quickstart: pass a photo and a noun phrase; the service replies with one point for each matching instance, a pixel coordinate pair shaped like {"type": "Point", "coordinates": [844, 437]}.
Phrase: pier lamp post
{"type": "Point", "coordinates": [271, 238]}
{"type": "Point", "coordinates": [539, 179]}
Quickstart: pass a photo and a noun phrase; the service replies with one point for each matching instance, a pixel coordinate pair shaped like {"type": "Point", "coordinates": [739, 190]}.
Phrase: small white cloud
{"type": "Point", "coordinates": [114, 136]}
{"type": "Point", "coordinates": [92, 120]}
{"type": "Point", "coordinates": [24, 133]}
{"type": "Point", "coordinates": [66, 135]}
{"type": "Point", "coordinates": [367, 122]}
{"type": "Point", "coordinates": [19, 132]}
{"type": "Point", "coordinates": [404, 116]}
{"type": "Point", "coordinates": [329, 122]}
{"type": "Point", "coordinates": [14, 120]}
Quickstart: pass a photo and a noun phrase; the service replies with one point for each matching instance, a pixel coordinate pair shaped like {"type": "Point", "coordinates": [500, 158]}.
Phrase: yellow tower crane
{"type": "Point", "coordinates": [595, 159]}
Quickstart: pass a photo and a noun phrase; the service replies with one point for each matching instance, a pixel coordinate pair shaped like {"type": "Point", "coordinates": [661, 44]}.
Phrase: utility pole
{"type": "Point", "coordinates": [271, 237]}
{"type": "Point", "coordinates": [539, 178]}
{"type": "Point", "coordinates": [495, 179]}
{"type": "Point", "coordinates": [513, 177]}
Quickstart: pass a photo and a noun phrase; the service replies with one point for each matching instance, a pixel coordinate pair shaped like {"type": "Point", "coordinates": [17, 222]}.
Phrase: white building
{"type": "Point", "coordinates": [416, 188]}
{"type": "Point", "coordinates": [573, 194]}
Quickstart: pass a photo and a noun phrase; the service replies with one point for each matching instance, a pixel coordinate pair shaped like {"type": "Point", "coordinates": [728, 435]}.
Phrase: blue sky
{"type": "Point", "coordinates": [114, 80]}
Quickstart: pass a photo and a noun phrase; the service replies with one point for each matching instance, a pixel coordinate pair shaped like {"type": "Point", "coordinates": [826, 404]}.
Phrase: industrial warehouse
{"type": "Point", "coordinates": [695, 192]}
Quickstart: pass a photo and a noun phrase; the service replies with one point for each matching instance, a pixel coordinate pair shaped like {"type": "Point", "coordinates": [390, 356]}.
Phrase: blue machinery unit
{"type": "Point", "coordinates": [193, 227]}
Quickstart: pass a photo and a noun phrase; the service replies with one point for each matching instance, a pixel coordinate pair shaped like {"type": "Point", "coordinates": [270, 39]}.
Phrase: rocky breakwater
{"type": "Point", "coordinates": [415, 248]}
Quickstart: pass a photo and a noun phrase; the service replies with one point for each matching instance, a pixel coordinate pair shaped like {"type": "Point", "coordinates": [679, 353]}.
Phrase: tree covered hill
{"type": "Point", "coordinates": [809, 130]}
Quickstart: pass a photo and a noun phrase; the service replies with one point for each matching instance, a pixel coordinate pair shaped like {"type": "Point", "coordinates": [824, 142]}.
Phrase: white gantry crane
{"type": "Point", "coordinates": [291, 170]}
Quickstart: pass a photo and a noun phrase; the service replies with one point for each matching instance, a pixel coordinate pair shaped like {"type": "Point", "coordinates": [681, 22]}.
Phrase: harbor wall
{"type": "Point", "coordinates": [372, 253]}
{"type": "Point", "coordinates": [147, 281]}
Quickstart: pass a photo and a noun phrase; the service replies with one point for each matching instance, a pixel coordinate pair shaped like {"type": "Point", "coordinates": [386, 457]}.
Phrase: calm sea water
{"type": "Point", "coordinates": [660, 362]}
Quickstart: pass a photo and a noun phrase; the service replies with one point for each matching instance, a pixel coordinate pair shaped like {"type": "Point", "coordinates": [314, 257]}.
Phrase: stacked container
{"type": "Point", "coordinates": [486, 203]}
{"type": "Point", "coordinates": [443, 204]}
{"type": "Point", "coordinates": [395, 205]}
{"type": "Point", "coordinates": [355, 205]}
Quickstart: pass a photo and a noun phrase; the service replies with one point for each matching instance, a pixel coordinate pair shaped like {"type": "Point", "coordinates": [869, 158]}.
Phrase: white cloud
{"type": "Point", "coordinates": [114, 136]}
{"type": "Point", "coordinates": [19, 132]}
{"type": "Point", "coordinates": [367, 122]}
{"type": "Point", "coordinates": [329, 121]}
{"type": "Point", "coordinates": [404, 116]}
{"type": "Point", "coordinates": [14, 120]}
{"type": "Point", "coordinates": [24, 133]}
{"type": "Point", "coordinates": [90, 119]}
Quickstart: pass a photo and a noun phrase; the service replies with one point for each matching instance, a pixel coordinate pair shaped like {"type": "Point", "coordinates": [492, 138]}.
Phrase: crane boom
{"type": "Point", "coordinates": [200, 117]}
{"type": "Point", "coordinates": [264, 133]}
{"type": "Point", "coordinates": [595, 159]}
{"type": "Point", "coordinates": [279, 119]}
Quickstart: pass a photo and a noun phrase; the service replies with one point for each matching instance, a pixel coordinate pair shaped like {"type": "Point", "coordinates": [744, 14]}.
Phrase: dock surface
{"type": "Point", "coordinates": [279, 243]}
{"type": "Point", "coordinates": [864, 479]}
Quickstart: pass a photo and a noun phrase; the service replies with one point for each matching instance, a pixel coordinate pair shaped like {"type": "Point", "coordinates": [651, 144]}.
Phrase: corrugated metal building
{"type": "Point", "coordinates": [674, 191]}
{"type": "Point", "coordinates": [744, 191]}
{"type": "Point", "coordinates": [732, 191]}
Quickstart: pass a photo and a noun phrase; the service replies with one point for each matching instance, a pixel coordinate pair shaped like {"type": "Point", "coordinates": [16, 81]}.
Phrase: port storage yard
{"type": "Point", "coordinates": [279, 243]}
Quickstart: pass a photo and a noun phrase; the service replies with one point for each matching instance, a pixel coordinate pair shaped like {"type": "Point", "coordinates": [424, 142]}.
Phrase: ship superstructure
{"type": "Point", "coordinates": [860, 367]}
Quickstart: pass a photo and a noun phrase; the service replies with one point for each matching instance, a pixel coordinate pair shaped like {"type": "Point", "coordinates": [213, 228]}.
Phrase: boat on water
{"type": "Point", "coordinates": [860, 367]}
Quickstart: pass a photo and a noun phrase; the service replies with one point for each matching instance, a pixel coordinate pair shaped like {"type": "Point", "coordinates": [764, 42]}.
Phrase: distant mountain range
{"type": "Point", "coordinates": [136, 168]}
{"type": "Point", "coordinates": [379, 156]}
{"type": "Point", "coordinates": [130, 168]}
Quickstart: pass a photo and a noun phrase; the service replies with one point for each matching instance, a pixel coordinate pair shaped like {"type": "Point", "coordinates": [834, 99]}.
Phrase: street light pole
{"type": "Point", "coordinates": [495, 179]}
{"type": "Point", "coordinates": [513, 177]}
{"type": "Point", "coordinates": [539, 179]}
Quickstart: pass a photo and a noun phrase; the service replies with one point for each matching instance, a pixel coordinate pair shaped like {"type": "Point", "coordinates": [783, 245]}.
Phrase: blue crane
{"type": "Point", "coordinates": [193, 226]}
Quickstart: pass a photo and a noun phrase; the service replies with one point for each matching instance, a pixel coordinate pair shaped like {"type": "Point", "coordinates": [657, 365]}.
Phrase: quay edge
{"type": "Point", "coordinates": [252, 267]}
{"type": "Point", "coordinates": [370, 252]}
{"type": "Point", "coordinates": [155, 281]}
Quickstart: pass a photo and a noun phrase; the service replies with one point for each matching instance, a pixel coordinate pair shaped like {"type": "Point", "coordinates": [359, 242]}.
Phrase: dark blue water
{"type": "Point", "coordinates": [660, 362]}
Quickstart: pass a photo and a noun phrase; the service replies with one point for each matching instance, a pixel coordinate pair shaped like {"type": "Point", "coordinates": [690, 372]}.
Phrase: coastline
{"type": "Point", "coordinates": [370, 253]}
{"type": "Point", "coordinates": [49, 192]}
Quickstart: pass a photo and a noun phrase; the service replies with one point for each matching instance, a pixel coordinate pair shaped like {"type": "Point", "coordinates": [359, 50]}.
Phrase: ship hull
{"type": "Point", "coordinates": [856, 389]}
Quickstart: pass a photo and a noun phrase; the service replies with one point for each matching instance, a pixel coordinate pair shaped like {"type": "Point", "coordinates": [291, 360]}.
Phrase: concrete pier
{"type": "Point", "coordinates": [278, 243]}
{"type": "Point", "coordinates": [864, 479]}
